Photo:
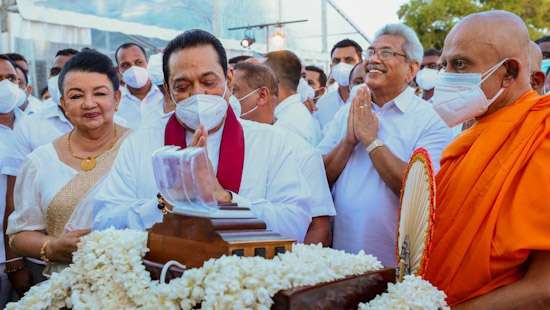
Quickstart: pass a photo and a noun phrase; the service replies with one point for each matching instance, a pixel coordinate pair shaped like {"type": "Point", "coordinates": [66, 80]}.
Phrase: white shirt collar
{"type": "Point", "coordinates": [401, 102]}
{"type": "Point", "coordinates": [55, 112]}
{"type": "Point", "coordinates": [126, 93]}
{"type": "Point", "coordinates": [283, 105]}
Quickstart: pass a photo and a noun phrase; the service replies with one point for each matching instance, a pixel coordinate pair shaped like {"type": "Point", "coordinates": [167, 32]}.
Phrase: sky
{"type": "Point", "coordinates": [370, 15]}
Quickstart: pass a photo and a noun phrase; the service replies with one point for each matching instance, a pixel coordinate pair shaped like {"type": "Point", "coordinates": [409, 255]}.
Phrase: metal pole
{"type": "Point", "coordinates": [267, 39]}
{"type": "Point", "coordinates": [324, 40]}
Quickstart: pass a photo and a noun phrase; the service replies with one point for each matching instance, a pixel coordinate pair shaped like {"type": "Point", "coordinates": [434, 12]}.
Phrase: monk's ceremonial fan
{"type": "Point", "coordinates": [416, 215]}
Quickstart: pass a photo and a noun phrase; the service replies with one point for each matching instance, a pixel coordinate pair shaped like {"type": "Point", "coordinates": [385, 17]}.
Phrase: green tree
{"type": "Point", "coordinates": [433, 19]}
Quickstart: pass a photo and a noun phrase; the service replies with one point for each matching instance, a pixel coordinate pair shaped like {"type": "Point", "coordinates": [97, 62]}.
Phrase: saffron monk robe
{"type": "Point", "coordinates": [491, 240]}
{"type": "Point", "coordinates": [254, 165]}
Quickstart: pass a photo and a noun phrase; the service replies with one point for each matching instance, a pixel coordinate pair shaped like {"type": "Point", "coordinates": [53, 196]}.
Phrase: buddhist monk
{"type": "Point", "coordinates": [535, 62]}
{"type": "Point", "coordinates": [491, 239]}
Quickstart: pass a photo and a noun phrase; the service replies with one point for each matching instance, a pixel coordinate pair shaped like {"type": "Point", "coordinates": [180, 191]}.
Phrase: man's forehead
{"type": "Point", "coordinates": [388, 41]}
{"type": "Point", "coordinates": [430, 59]}
{"type": "Point", "coordinates": [6, 67]}
{"type": "Point", "coordinates": [194, 62]}
{"type": "Point", "coordinates": [130, 53]}
{"type": "Point", "coordinates": [313, 74]}
{"type": "Point", "coordinates": [60, 60]}
{"type": "Point", "coordinates": [545, 46]}
{"type": "Point", "coordinates": [344, 51]}
{"type": "Point", "coordinates": [461, 43]}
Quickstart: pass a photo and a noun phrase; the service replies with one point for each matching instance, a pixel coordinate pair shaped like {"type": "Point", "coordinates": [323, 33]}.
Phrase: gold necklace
{"type": "Point", "coordinates": [87, 163]}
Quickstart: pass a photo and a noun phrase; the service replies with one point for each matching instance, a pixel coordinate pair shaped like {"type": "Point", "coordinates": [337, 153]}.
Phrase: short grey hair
{"type": "Point", "coordinates": [412, 47]}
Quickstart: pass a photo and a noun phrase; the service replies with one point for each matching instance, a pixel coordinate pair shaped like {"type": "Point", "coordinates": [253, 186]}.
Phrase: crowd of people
{"type": "Point", "coordinates": [318, 156]}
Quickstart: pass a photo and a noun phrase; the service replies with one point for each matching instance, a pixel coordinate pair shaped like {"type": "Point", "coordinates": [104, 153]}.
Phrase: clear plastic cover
{"type": "Point", "coordinates": [185, 178]}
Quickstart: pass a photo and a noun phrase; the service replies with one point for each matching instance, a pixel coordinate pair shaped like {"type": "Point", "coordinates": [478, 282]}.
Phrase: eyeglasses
{"type": "Point", "coordinates": [383, 53]}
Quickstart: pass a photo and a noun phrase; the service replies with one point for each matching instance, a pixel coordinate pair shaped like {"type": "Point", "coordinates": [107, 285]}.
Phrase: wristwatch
{"type": "Point", "coordinates": [374, 145]}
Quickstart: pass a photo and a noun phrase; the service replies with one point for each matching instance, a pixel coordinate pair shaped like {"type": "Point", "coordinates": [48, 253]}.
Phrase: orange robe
{"type": "Point", "coordinates": [493, 201]}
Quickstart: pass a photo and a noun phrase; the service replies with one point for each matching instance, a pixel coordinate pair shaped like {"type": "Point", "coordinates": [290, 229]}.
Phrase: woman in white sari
{"type": "Point", "coordinates": [57, 179]}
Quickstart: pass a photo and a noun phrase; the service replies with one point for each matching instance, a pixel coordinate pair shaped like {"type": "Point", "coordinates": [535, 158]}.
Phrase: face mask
{"type": "Point", "coordinates": [22, 98]}
{"type": "Point", "coordinates": [545, 65]}
{"type": "Point", "coordinates": [353, 91]}
{"type": "Point", "coordinates": [458, 97]}
{"type": "Point", "coordinates": [305, 91]}
{"type": "Point", "coordinates": [426, 78]}
{"type": "Point", "coordinates": [332, 87]}
{"type": "Point", "coordinates": [341, 72]}
{"type": "Point", "coordinates": [53, 89]}
{"type": "Point", "coordinates": [201, 109]}
{"type": "Point", "coordinates": [154, 66]}
{"type": "Point", "coordinates": [240, 100]}
{"type": "Point", "coordinates": [136, 77]}
{"type": "Point", "coordinates": [235, 105]}
{"type": "Point", "coordinates": [9, 96]}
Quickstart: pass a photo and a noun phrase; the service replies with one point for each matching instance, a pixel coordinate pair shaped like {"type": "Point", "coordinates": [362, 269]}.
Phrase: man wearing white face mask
{"type": "Point", "coordinates": [491, 235]}
{"type": "Point", "coordinates": [253, 165]}
{"type": "Point", "coordinates": [141, 99]}
{"type": "Point", "coordinates": [290, 111]}
{"type": "Point", "coordinates": [429, 71]}
{"type": "Point", "coordinates": [356, 80]}
{"type": "Point", "coordinates": [369, 142]}
{"type": "Point", "coordinates": [256, 86]}
{"type": "Point", "coordinates": [10, 116]}
{"type": "Point", "coordinates": [344, 55]}
{"type": "Point", "coordinates": [49, 122]}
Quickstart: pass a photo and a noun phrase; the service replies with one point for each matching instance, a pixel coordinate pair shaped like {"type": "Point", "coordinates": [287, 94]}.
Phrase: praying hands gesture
{"type": "Point", "coordinates": [206, 182]}
{"type": "Point", "coordinates": [362, 122]}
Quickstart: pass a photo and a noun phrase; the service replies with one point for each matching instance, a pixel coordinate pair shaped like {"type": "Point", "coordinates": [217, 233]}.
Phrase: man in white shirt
{"type": "Point", "coordinates": [253, 165]}
{"type": "Point", "coordinates": [317, 79]}
{"type": "Point", "coordinates": [10, 116]}
{"type": "Point", "coordinates": [290, 112]}
{"type": "Point", "coordinates": [370, 141]}
{"type": "Point", "coordinates": [141, 99]}
{"type": "Point", "coordinates": [256, 87]}
{"type": "Point", "coordinates": [344, 55]}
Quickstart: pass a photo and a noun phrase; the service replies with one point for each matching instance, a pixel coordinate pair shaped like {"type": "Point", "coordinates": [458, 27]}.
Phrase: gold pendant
{"type": "Point", "coordinates": [87, 164]}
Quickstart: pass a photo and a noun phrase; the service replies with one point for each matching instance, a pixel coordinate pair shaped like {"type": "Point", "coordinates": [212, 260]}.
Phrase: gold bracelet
{"type": "Point", "coordinates": [43, 255]}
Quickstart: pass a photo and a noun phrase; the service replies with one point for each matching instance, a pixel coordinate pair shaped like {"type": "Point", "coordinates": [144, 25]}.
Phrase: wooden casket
{"type": "Point", "coordinates": [193, 240]}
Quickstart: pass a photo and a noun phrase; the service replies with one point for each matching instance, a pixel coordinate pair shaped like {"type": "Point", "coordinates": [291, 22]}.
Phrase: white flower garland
{"type": "Point", "coordinates": [108, 273]}
{"type": "Point", "coordinates": [414, 293]}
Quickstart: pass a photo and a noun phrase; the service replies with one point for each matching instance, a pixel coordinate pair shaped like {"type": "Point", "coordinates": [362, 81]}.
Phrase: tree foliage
{"type": "Point", "coordinates": [433, 19]}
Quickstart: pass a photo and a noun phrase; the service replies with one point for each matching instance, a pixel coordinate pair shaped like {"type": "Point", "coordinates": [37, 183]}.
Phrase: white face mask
{"type": "Point", "coordinates": [53, 89]}
{"type": "Point", "coordinates": [243, 98]}
{"type": "Point", "coordinates": [9, 96]}
{"type": "Point", "coordinates": [353, 91]}
{"type": "Point", "coordinates": [426, 78]}
{"type": "Point", "coordinates": [458, 97]}
{"type": "Point", "coordinates": [340, 73]}
{"type": "Point", "coordinates": [154, 66]}
{"type": "Point", "coordinates": [201, 109]}
{"type": "Point", "coordinates": [136, 77]}
{"type": "Point", "coordinates": [235, 105]}
{"type": "Point", "coordinates": [332, 87]}
{"type": "Point", "coordinates": [305, 91]}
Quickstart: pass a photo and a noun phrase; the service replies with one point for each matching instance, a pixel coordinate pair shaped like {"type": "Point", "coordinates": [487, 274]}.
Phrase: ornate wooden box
{"type": "Point", "coordinates": [193, 240]}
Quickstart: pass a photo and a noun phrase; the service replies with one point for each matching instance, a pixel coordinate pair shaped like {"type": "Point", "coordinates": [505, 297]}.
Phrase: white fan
{"type": "Point", "coordinates": [416, 215]}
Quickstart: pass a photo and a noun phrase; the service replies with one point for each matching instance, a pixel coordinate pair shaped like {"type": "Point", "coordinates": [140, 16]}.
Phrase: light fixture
{"type": "Point", "coordinates": [248, 39]}
{"type": "Point", "coordinates": [277, 39]}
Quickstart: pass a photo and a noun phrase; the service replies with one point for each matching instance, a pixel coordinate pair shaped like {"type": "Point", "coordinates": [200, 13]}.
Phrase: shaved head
{"type": "Point", "coordinates": [535, 62]}
{"type": "Point", "coordinates": [535, 56]}
{"type": "Point", "coordinates": [481, 41]}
